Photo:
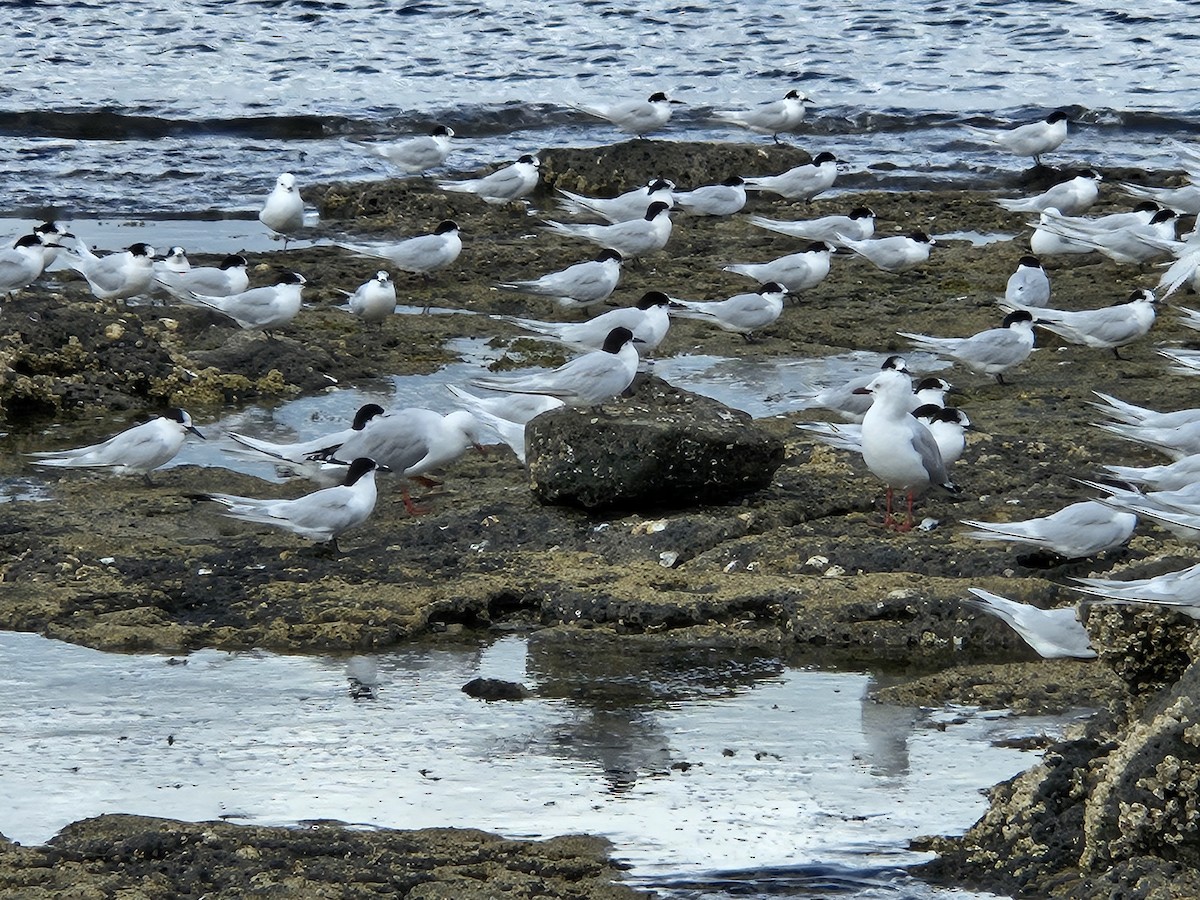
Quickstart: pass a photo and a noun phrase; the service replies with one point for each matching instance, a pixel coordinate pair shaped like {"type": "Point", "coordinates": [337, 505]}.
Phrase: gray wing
{"type": "Point", "coordinates": [931, 457]}
{"type": "Point", "coordinates": [995, 347]}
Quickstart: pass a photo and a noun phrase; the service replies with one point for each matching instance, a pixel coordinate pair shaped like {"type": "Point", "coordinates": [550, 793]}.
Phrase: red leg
{"type": "Point", "coordinates": [888, 522]}
{"type": "Point", "coordinates": [409, 506]}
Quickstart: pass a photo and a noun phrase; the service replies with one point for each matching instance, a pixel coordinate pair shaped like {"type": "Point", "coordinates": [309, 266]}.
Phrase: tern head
{"type": "Point", "coordinates": [175, 414]}
{"type": "Point", "coordinates": [28, 240]}
{"type": "Point", "coordinates": [921, 238]}
{"type": "Point", "coordinates": [607, 255]}
{"type": "Point", "coordinates": [233, 261]}
{"type": "Point", "coordinates": [654, 185]}
{"type": "Point", "coordinates": [862, 212]}
{"type": "Point", "coordinates": [733, 181]}
{"type": "Point", "coordinates": [795, 95]}
{"type": "Point", "coordinates": [358, 468]}
{"type": "Point", "coordinates": [1163, 215]}
{"type": "Point", "coordinates": [292, 278]}
{"type": "Point", "coordinates": [616, 339]}
{"type": "Point", "coordinates": [141, 249]}
{"type": "Point", "coordinates": [382, 277]}
{"type": "Point", "coordinates": [446, 227]}
{"type": "Point", "coordinates": [529, 159]}
{"type": "Point", "coordinates": [896, 362]}
{"type": "Point", "coordinates": [772, 287]}
{"type": "Point", "coordinates": [1141, 295]}
{"type": "Point", "coordinates": [1018, 319]}
{"type": "Point", "coordinates": [441, 131]}
{"type": "Point", "coordinates": [651, 299]}
{"type": "Point", "coordinates": [1029, 262]}
{"type": "Point", "coordinates": [365, 414]}
{"type": "Point", "coordinates": [1057, 116]}
{"type": "Point", "coordinates": [655, 209]}
{"type": "Point", "coordinates": [823, 157]}
{"type": "Point", "coordinates": [818, 247]}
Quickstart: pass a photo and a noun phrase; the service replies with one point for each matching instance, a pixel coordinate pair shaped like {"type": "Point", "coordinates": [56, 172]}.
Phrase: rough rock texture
{"type": "Point", "coordinates": [800, 566]}
{"type": "Point", "coordinates": [671, 449]}
{"type": "Point", "coordinates": [139, 858]}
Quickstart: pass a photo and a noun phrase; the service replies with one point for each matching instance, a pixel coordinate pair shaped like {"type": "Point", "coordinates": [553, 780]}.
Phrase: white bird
{"type": "Point", "coordinates": [631, 239]}
{"type": "Point", "coordinates": [1176, 441]}
{"type": "Point", "coordinates": [1184, 200]}
{"type": "Point", "coordinates": [415, 155]}
{"type": "Point", "coordinates": [636, 117]}
{"type": "Point", "coordinates": [847, 401]}
{"type": "Point", "coordinates": [116, 276]}
{"type": "Point", "coordinates": [1072, 197]}
{"type": "Point", "coordinates": [1178, 590]}
{"type": "Point", "coordinates": [21, 264]}
{"type": "Point", "coordinates": [722, 199]}
{"type": "Point", "coordinates": [1139, 215]}
{"type": "Point", "coordinates": [51, 234]}
{"type": "Point", "coordinates": [896, 447]}
{"type": "Point", "coordinates": [1186, 268]}
{"type": "Point", "coordinates": [584, 381]}
{"type": "Point", "coordinates": [581, 285]}
{"type": "Point", "coordinates": [137, 450]}
{"type": "Point", "coordinates": [1032, 139]}
{"type": "Point", "coordinates": [261, 308]}
{"type": "Point", "coordinates": [990, 352]}
{"type": "Point", "coordinates": [769, 118]}
{"type": "Point", "coordinates": [797, 271]}
{"type": "Point", "coordinates": [1074, 532]}
{"type": "Point", "coordinates": [1167, 477]}
{"type": "Point", "coordinates": [629, 205]}
{"type": "Point", "coordinates": [373, 301]}
{"type": "Point", "coordinates": [421, 255]}
{"type": "Point", "coordinates": [801, 182]}
{"type": "Point", "coordinates": [513, 182]}
{"type": "Point", "coordinates": [1186, 362]}
{"type": "Point", "coordinates": [283, 211]}
{"type": "Point", "coordinates": [1052, 633]}
{"type": "Point", "coordinates": [411, 442]}
{"type": "Point", "coordinates": [742, 314]}
{"type": "Point", "coordinates": [1029, 286]}
{"type": "Point", "coordinates": [1183, 523]}
{"type": "Point", "coordinates": [858, 225]}
{"type": "Point", "coordinates": [320, 516]}
{"type": "Point", "coordinates": [1134, 244]}
{"type": "Point", "coordinates": [892, 254]}
{"type": "Point", "coordinates": [508, 414]}
{"type": "Point", "coordinates": [174, 263]}
{"type": "Point", "coordinates": [1189, 318]}
{"type": "Point", "coordinates": [1047, 242]}
{"type": "Point", "coordinates": [299, 453]}
{"type": "Point", "coordinates": [948, 425]}
{"type": "Point", "coordinates": [1142, 415]}
{"type": "Point", "coordinates": [1108, 328]}
{"type": "Point", "coordinates": [648, 321]}
{"type": "Point", "coordinates": [1180, 500]}
{"type": "Point", "coordinates": [230, 277]}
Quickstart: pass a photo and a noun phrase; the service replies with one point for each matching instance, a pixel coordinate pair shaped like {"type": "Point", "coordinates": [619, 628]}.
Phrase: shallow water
{"type": "Point", "coordinates": [704, 769]}
{"type": "Point", "coordinates": [157, 107]}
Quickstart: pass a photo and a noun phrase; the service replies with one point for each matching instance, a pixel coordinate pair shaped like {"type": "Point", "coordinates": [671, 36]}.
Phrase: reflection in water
{"type": "Point", "coordinates": [886, 730]}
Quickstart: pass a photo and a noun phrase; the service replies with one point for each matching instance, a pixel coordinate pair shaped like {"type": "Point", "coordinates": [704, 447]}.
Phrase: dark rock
{"type": "Point", "coordinates": [665, 448]}
{"type": "Point", "coordinates": [494, 689]}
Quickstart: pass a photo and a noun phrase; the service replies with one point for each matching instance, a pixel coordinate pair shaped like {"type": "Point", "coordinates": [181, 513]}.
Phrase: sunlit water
{"type": "Point", "coordinates": [693, 764]}
{"type": "Point", "coordinates": [157, 106]}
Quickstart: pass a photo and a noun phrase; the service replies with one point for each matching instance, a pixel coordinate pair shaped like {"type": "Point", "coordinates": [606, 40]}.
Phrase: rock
{"type": "Point", "coordinates": [494, 689]}
{"type": "Point", "coordinates": [664, 448]}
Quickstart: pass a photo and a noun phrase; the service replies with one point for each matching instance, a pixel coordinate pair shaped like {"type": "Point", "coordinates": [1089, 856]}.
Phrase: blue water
{"type": "Point", "coordinates": [160, 107]}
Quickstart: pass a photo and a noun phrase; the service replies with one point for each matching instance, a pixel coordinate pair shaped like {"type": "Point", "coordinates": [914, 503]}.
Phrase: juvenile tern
{"type": "Point", "coordinates": [991, 352]}
{"type": "Point", "coordinates": [897, 448]}
{"type": "Point", "coordinates": [1074, 532]}
{"type": "Point", "coordinates": [258, 308]}
{"type": "Point", "coordinates": [742, 314]}
{"type": "Point", "coordinates": [1052, 633]}
{"type": "Point", "coordinates": [796, 271]}
{"type": "Point", "coordinates": [769, 118]}
{"type": "Point", "coordinates": [638, 117]}
{"type": "Point", "coordinates": [631, 239]}
{"type": "Point", "coordinates": [584, 381]}
{"type": "Point", "coordinates": [320, 516]}
{"type": "Point", "coordinates": [373, 301]}
{"type": "Point", "coordinates": [137, 450]}
{"type": "Point", "coordinates": [801, 182]}
{"type": "Point", "coordinates": [513, 182]}
{"type": "Point", "coordinates": [581, 285]}
{"type": "Point", "coordinates": [1032, 139]}
{"type": "Point", "coordinates": [648, 321]}
{"type": "Point", "coordinates": [722, 199]}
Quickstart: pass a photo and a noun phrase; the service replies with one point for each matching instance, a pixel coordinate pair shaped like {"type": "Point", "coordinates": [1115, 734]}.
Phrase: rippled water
{"type": "Point", "coordinates": [159, 106]}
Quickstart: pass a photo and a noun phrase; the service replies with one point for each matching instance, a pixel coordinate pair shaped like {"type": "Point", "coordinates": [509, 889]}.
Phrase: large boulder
{"type": "Point", "coordinates": [662, 448]}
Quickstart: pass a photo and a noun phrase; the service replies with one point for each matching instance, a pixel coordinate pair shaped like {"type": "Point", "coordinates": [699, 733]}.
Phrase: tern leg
{"type": "Point", "coordinates": [1117, 353]}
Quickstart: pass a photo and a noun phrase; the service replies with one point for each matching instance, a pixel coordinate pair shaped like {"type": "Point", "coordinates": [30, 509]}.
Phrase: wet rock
{"type": "Point", "coordinates": [159, 859]}
{"type": "Point", "coordinates": [662, 449]}
{"type": "Point", "coordinates": [494, 689]}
